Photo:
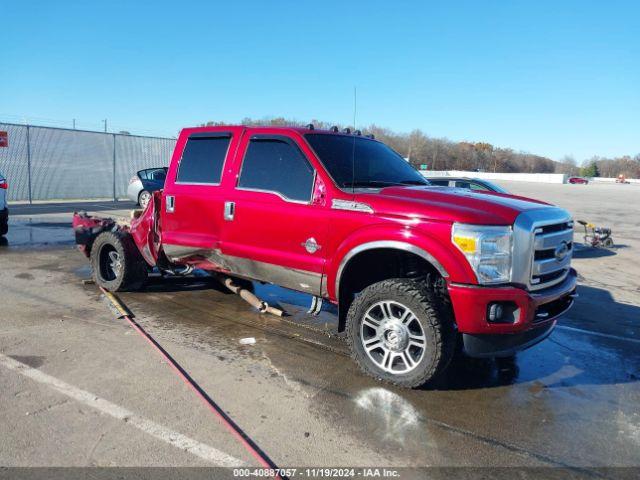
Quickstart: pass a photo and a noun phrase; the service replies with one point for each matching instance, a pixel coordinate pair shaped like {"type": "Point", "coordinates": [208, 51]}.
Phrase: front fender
{"type": "Point", "coordinates": [431, 242]}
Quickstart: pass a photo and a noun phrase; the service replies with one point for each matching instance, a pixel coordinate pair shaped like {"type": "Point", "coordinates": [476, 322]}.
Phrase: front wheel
{"type": "Point", "coordinates": [400, 332]}
{"type": "Point", "coordinates": [117, 263]}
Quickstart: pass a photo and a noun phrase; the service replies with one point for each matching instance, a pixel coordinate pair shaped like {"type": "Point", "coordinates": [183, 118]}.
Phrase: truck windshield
{"type": "Point", "coordinates": [360, 162]}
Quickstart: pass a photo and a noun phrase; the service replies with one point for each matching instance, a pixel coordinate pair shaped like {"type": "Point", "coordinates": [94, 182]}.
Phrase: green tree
{"type": "Point", "coordinates": [590, 170]}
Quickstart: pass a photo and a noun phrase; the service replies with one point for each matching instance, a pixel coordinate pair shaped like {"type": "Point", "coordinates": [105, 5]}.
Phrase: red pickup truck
{"type": "Point", "coordinates": [413, 268]}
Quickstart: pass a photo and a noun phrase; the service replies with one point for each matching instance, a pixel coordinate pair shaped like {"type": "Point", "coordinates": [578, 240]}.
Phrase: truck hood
{"type": "Point", "coordinates": [450, 204]}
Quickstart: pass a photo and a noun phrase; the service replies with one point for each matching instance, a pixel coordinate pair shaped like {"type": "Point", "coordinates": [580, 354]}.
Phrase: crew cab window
{"type": "Point", "coordinates": [277, 165]}
{"type": "Point", "coordinates": [202, 159]}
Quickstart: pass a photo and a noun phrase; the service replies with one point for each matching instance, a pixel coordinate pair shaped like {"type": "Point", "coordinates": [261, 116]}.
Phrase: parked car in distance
{"type": "Point", "coordinates": [469, 183]}
{"type": "Point", "coordinates": [144, 183]}
{"type": "Point", "coordinates": [578, 180]}
{"type": "Point", "coordinates": [4, 210]}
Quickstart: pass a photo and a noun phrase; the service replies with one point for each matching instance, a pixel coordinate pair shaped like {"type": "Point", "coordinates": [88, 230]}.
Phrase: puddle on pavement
{"type": "Point", "coordinates": [204, 313]}
{"type": "Point", "coordinates": [36, 233]}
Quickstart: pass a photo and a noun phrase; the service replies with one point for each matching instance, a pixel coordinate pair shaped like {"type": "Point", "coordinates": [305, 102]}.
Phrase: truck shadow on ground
{"type": "Point", "coordinates": [597, 310]}
{"type": "Point", "coordinates": [159, 284]}
{"type": "Point", "coordinates": [567, 358]}
{"type": "Point", "coordinates": [585, 251]}
{"type": "Point", "coordinates": [274, 295]}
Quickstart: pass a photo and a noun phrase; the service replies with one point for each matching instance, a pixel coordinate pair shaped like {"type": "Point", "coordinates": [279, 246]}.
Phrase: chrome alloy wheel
{"type": "Point", "coordinates": [392, 337]}
{"type": "Point", "coordinates": [115, 264]}
{"type": "Point", "coordinates": [145, 198]}
{"type": "Point", "coordinates": [110, 263]}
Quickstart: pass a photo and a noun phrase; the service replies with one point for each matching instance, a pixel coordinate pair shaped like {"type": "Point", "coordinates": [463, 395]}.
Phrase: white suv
{"type": "Point", "coordinates": [4, 211]}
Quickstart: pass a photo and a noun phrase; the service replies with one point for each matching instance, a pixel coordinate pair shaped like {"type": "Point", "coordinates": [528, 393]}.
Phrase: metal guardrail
{"type": "Point", "coordinates": [48, 163]}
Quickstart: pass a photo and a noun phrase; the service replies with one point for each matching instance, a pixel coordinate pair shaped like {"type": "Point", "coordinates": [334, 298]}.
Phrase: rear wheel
{"type": "Point", "coordinates": [400, 332]}
{"type": "Point", "coordinates": [143, 199]}
{"type": "Point", "coordinates": [608, 242]}
{"type": "Point", "coordinates": [117, 264]}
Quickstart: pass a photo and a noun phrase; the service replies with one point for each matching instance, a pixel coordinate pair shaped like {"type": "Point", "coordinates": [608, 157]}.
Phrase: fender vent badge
{"type": "Point", "coordinates": [338, 204]}
{"type": "Point", "coordinates": [311, 245]}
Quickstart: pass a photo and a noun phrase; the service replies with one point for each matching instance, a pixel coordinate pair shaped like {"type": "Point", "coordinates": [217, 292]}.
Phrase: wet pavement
{"type": "Point", "coordinates": [35, 232]}
{"type": "Point", "coordinates": [571, 401]}
{"type": "Point", "coordinates": [561, 403]}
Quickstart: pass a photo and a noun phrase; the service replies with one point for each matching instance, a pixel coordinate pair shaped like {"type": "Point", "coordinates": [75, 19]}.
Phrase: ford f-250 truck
{"type": "Point", "coordinates": [413, 268]}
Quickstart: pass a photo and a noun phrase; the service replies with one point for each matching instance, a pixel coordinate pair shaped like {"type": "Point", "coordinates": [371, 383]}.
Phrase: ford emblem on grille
{"type": "Point", "coordinates": [561, 251]}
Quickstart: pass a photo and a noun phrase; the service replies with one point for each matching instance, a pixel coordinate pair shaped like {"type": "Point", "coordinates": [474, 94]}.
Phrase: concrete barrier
{"type": "Point", "coordinates": [518, 177]}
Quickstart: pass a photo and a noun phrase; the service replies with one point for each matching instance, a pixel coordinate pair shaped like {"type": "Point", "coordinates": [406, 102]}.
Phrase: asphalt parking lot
{"type": "Point", "coordinates": [80, 388]}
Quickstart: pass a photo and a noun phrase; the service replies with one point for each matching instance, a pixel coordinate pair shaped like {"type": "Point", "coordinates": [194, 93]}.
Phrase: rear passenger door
{"type": "Point", "coordinates": [193, 199]}
{"type": "Point", "coordinates": [275, 231]}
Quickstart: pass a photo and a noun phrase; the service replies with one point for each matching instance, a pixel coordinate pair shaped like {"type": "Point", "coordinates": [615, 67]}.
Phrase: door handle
{"type": "Point", "coordinates": [170, 204]}
{"type": "Point", "coordinates": [229, 210]}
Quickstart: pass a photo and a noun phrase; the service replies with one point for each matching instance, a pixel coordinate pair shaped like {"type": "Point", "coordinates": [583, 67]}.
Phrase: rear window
{"type": "Point", "coordinates": [463, 184]}
{"type": "Point", "coordinates": [439, 183]}
{"type": "Point", "coordinates": [159, 174]}
{"type": "Point", "coordinates": [202, 159]}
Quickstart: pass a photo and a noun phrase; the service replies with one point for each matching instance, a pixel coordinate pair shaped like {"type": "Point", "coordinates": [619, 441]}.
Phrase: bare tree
{"type": "Point", "coordinates": [444, 154]}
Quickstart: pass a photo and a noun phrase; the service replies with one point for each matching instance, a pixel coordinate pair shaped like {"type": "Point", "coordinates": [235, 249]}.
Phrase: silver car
{"type": "Point", "coordinates": [144, 183]}
{"type": "Point", "coordinates": [4, 209]}
{"type": "Point", "coordinates": [468, 183]}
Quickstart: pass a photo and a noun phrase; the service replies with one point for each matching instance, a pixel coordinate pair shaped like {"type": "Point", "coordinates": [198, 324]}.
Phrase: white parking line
{"type": "Point", "coordinates": [206, 452]}
{"type": "Point", "coordinates": [598, 334]}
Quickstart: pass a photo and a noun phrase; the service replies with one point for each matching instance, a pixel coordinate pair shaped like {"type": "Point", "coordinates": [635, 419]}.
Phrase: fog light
{"type": "Point", "coordinates": [495, 312]}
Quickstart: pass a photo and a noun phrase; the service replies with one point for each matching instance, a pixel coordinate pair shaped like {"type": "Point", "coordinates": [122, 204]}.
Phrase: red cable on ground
{"type": "Point", "coordinates": [235, 430]}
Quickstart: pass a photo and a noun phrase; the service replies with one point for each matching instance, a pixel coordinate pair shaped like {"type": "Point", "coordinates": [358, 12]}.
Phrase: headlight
{"type": "Point", "coordinates": [488, 250]}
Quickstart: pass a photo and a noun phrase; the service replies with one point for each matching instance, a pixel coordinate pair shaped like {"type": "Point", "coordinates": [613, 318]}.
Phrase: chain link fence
{"type": "Point", "coordinates": [47, 163]}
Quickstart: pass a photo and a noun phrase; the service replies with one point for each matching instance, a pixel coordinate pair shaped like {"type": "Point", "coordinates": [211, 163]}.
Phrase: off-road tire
{"type": "Point", "coordinates": [436, 321]}
{"type": "Point", "coordinates": [133, 270]}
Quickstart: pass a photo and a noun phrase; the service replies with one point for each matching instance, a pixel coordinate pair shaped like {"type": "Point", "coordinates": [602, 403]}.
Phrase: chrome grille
{"type": "Point", "coordinates": [553, 248]}
{"type": "Point", "coordinates": [543, 246]}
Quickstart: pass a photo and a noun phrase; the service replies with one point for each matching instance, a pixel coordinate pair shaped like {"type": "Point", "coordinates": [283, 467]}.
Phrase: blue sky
{"type": "Point", "coordinates": [547, 77]}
